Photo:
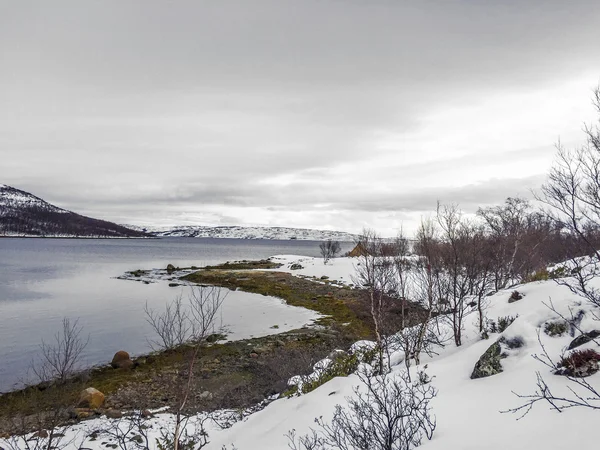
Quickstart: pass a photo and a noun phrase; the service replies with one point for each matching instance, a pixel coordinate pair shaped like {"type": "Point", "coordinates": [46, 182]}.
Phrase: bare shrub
{"type": "Point", "coordinates": [387, 412]}
{"type": "Point", "coordinates": [181, 323]}
{"type": "Point", "coordinates": [329, 249]}
{"type": "Point", "coordinates": [60, 358]}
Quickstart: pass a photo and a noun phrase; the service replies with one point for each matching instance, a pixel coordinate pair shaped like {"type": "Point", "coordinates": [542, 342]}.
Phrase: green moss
{"type": "Point", "coordinates": [245, 265]}
{"type": "Point", "coordinates": [295, 292]}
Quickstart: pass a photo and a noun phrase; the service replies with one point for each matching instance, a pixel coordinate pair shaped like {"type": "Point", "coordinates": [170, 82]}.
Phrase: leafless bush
{"type": "Point", "coordinates": [181, 323]}
{"type": "Point", "coordinates": [60, 358]}
{"type": "Point", "coordinates": [581, 393]}
{"type": "Point", "coordinates": [572, 192]}
{"type": "Point", "coordinates": [329, 249]}
{"type": "Point", "coordinates": [389, 413]}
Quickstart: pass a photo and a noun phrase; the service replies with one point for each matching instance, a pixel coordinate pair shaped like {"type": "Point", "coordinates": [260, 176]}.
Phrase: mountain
{"type": "Point", "coordinates": [24, 214]}
{"type": "Point", "coordinates": [238, 232]}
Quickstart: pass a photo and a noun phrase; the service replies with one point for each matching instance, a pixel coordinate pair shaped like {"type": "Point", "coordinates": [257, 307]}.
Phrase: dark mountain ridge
{"type": "Point", "coordinates": [24, 214]}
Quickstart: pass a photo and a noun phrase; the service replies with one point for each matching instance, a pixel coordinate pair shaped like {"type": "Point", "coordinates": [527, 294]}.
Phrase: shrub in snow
{"type": "Point", "coordinates": [515, 297]}
{"type": "Point", "coordinates": [556, 328]}
{"type": "Point", "coordinates": [504, 322]}
{"type": "Point", "coordinates": [580, 363]}
{"type": "Point", "coordinates": [387, 412]}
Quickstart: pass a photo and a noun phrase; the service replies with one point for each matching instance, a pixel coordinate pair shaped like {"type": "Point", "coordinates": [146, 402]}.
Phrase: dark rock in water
{"type": "Point", "coordinates": [174, 284]}
{"type": "Point", "coordinates": [583, 339]}
{"type": "Point", "coordinates": [170, 268]}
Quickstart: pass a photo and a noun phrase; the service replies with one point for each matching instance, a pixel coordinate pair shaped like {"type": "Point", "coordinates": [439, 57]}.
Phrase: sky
{"type": "Point", "coordinates": [309, 113]}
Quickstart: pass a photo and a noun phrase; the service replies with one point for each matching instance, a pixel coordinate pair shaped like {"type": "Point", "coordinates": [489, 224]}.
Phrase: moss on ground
{"type": "Point", "coordinates": [337, 304]}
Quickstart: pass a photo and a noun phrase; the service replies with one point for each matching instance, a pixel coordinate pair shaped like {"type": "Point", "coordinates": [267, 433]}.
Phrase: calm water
{"type": "Point", "coordinates": [44, 280]}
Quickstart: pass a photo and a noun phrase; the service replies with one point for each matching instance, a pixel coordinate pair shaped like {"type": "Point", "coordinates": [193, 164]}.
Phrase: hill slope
{"type": "Point", "coordinates": [24, 214]}
{"type": "Point", "coordinates": [240, 232]}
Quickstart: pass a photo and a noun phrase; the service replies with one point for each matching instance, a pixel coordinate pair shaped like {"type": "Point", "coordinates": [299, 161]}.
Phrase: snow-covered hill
{"type": "Point", "coordinates": [24, 214]}
{"type": "Point", "coordinates": [239, 232]}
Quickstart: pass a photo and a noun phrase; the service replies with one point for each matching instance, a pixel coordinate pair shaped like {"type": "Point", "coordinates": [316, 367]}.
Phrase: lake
{"type": "Point", "coordinates": [44, 280]}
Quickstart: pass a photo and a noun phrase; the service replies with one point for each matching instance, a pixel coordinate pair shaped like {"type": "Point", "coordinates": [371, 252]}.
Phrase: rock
{"type": "Point", "coordinates": [146, 413]}
{"type": "Point", "coordinates": [91, 398]}
{"type": "Point", "coordinates": [80, 413]}
{"type": "Point", "coordinates": [335, 354]}
{"type": "Point", "coordinates": [515, 297]}
{"type": "Point", "coordinates": [296, 266]}
{"type": "Point", "coordinates": [174, 284]}
{"type": "Point", "coordinates": [43, 434]}
{"type": "Point", "coordinates": [113, 413]}
{"type": "Point", "coordinates": [121, 360]}
{"type": "Point", "coordinates": [324, 277]}
{"type": "Point", "coordinates": [489, 363]}
{"type": "Point", "coordinates": [206, 395]}
{"type": "Point", "coordinates": [253, 355]}
{"type": "Point", "coordinates": [583, 339]}
{"type": "Point", "coordinates": [170, 268]}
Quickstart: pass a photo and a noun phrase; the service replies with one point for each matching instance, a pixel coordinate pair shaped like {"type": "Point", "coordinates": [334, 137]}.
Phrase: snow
{"type": "Point", "coordinates": [469, 412]}
{"type": "Point", "coordinates": [17, 199]}
{"type": "Point", "coordinates": [245, 232]}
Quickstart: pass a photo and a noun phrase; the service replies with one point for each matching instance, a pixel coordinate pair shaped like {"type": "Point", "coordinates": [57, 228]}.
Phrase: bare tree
{"type": "Point", "coordinates": [173, 326]}
{"type": "Point", "coordinates": [60, 358]}
{"type": "Point", "coordinates": [389, 412]}
{"type": "Point", "coordinates": [572, 192]}
{"type": "Point", "coordinates": [329, 249]}
{"type": "Point", "coordinates": [376, 273]}
{"type": "Point", "coordinates": [178, 325]}
{"type": "Point", "coordinates": [181, 323]}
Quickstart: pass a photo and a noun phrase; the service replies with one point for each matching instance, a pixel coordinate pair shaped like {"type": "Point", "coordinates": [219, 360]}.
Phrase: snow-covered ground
{"type": "Point", "coordinates": [242, 232]}
{"type": "Point", "coordinates": [468, 412]}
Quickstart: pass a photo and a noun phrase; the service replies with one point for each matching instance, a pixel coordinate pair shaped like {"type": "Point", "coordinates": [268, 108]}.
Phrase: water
{"type": "Point", "coordinates": [44, 280]}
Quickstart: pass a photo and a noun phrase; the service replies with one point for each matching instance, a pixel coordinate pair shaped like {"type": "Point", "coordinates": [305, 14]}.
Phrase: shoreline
{"type": "Point", "coordinates": [226, 366]}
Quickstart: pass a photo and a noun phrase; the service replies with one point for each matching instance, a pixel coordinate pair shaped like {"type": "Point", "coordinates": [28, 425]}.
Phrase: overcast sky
{"type": "Point", "coordinates": [306, 113]}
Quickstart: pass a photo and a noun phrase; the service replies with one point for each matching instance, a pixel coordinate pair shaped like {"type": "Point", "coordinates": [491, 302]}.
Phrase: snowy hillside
{"type": "Point", "coordinates": [24, 214]}
{"type": "Point", "coordinates": [239, 232]}
{"type": "Point", "coordinates": [470, 413]}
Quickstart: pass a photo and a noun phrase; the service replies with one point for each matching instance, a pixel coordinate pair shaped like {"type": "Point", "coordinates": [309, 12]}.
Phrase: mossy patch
{"type": "Point", "coordinates": [335, 303]}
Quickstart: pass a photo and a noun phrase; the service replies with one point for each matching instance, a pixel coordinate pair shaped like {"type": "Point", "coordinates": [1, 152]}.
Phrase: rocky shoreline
{"type": "Point", "coordinates": [229, 375]}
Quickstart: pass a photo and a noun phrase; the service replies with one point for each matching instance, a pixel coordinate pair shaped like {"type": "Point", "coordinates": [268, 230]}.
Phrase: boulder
{"type": "Point", "coordinates": [42, 434]}
{"type": "Point", "coordinates": [206, 395]}
{"type": "Point", "coordinates": [583, 339]}
{"type": "Point", "coordinates": [113, 414]}
{"type": "Point", "coordinates": [296, 266]}
{"type": "Point", "coordinates": [121, 360]}
{"type": "Point", "coordinates": [170, 268]}
{"type": "Point", "coordinates": [489, 362]}
{"type": "Point", "coordinates": [91, 398]}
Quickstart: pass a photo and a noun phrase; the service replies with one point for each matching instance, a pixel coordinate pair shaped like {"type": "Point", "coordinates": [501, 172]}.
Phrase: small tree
{"type": "Point", "coordinates": [329, 249]}
{"type": "Point", "coordinates": [178, 325]}
{"type": "Point", "coordinates": [60, 358]}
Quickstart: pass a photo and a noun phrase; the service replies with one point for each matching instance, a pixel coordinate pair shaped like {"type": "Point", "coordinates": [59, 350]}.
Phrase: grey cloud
{"type": "Point", "coordinates": [122, 109]}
